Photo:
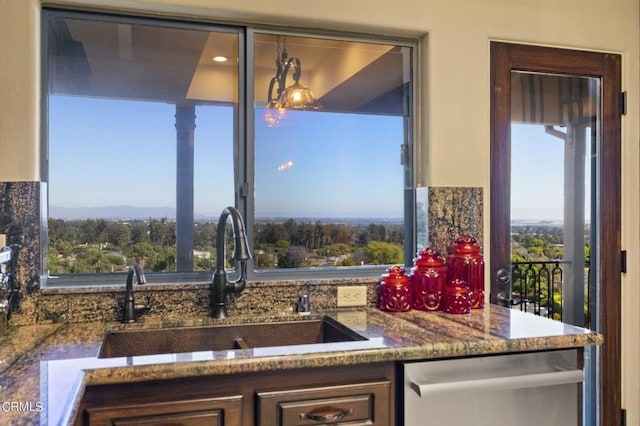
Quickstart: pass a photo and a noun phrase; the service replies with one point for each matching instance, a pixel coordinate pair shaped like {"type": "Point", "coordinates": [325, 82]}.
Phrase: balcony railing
{"type": "Point", "coordinates": [537, 287]}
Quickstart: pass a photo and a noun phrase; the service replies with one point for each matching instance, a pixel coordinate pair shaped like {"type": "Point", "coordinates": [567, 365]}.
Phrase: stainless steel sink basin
{"type": "Point", "coordinates": [224, 337]}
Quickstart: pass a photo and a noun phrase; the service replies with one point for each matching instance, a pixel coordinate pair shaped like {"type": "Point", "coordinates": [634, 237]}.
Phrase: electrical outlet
{"type": "Point", "coordinates": [352, 296]}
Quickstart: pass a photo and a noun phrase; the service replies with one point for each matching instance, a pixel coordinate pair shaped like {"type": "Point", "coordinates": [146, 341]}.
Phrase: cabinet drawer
{"type": "Point", "coordinates": [201, 418]}
{"type": "Point", "coordinates": [209, 411]}
{"type": "Point", "coordinates": [349, 404]}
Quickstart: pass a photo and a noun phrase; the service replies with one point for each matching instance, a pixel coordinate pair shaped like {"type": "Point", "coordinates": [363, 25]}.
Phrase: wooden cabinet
{"type": "Point", "coordinates": [355, 404]}
{"type": "Point", "coordinates": [355, 395]}
{"type": "Point", "coordinates": [221, 411]}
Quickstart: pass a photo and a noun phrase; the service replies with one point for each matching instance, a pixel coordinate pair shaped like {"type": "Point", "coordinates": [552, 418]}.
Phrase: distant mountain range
{"type": "Point", "coordinates": [111, 212]}
{"type": "Point", "coordinates": [143, 213]}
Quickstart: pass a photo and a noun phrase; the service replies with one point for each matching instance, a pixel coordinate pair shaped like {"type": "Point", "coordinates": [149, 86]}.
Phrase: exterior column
{"type": "Point", "coordinates": [185, 128]}
{"type": "Point", "coordinates": [573, 291]}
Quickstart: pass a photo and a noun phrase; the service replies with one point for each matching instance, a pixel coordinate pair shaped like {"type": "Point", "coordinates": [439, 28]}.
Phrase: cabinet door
{"type": "Point", "coordinates": [352, 404]}
{"type": "Point", "coordinates": [218, 411]}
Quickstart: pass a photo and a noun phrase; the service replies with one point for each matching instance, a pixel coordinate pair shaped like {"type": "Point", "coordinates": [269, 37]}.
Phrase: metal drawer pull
{"type": "Point", "coordinates": [502, 383]}
{"type": "Point", "coordinates": [326, 414]}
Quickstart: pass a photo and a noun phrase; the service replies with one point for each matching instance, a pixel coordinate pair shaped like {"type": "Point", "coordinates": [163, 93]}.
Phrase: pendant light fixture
{"type": "Point", "coordinates": [296, 96]}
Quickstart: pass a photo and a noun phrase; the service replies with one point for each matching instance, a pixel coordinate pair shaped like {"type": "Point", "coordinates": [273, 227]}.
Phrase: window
{"type": "Point", "coordinates": [151, 131]}
{"type": "Point", "coordinates": [328, 181]}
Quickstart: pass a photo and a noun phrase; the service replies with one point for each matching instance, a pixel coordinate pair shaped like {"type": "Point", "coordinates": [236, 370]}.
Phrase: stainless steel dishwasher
{"type": "Point", "coordinates": [540, 388]}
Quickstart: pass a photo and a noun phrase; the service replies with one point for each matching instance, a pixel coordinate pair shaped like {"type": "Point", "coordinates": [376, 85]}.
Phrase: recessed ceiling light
{"type": "Point", "coordinates": [220, 58]}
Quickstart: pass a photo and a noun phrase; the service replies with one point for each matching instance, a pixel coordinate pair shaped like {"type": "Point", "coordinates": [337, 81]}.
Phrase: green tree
{"type": "Point", "coordinates": [161, 259]}
{"type": "Point", "coordinates": [282, 246]}
{"type": "Point", "coordinates": [381, 253]}
{"type": "Point", "coordinates": [263, 259]}
{"type": "Point", "coordinates": [338, 234]}
{"type": "Point", "coordinates": [363, 238]}
{"type": "Point", "coordinates": [118, 234]}
{"type": "Point", "coordinates": [396, 234]}
{"type": "Point", "coordinates": [63, 247]}
{"type": "Point", "coordinates": [339, 249]}
{"type": "Point", "coordinates": [536, 251]}
{"type": "Point", "coordinates": [377, 232]}
{"type": "Point", "coordinates": [139, 252]}
{"type": "Point", "coordinates": [554, 252]}
{"type": "Point", "coordinates": [139, 233]}
{"type": "Point", "coordinates": [115, 259]}
{"type": "Point", "coordinates": [587, 255]}
{"type": "Point", "coordinates": [203, 264]}
{"type": "Point", "coordinates": [92, 259]}
{"type": "Point", "coordinates": [162, 232]}
{"type": "Point", "coordinates": [204, 235]}
{"type": "Point", "coordinates": [54, 261]}
{"type": "Point", "coordinates": [349, 261]}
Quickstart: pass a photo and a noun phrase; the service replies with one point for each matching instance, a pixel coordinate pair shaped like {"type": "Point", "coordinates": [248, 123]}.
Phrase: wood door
{"type": "Point", "coordinates": [507, 58]}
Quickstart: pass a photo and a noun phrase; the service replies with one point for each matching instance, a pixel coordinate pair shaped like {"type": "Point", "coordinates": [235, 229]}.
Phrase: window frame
{"type": "Point", "coordinates": [243, 149]}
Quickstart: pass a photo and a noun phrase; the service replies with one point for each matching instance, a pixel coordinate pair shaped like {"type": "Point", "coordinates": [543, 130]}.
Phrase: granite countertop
{"type": "Point", "coordinates": [44, 368]}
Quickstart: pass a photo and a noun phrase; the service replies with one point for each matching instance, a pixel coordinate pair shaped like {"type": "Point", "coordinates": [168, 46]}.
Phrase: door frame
{"type": "Point", "coordinates": [507, 57]}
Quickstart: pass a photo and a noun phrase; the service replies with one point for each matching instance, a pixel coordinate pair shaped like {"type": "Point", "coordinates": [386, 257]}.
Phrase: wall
{"type": "Point", "coordinates": [454, 78]}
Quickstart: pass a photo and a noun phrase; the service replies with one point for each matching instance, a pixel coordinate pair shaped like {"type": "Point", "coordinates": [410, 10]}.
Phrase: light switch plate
{"type": "Point", "coordinates": [352, 296]}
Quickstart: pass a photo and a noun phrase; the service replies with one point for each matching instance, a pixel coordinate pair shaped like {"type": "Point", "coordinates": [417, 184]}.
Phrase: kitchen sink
{"type": "Point", "coordinates": [224, 337]}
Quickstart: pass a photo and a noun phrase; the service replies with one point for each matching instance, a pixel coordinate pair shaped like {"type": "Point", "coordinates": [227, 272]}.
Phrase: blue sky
{"type": "Point", "coordinates": [114, 152]}
{"type": "Point", "coordinates": [110, 152]}
{"type": "Point", "coordinates": [338, 162]}
{"type": "Point", "coordinates": [537, 161]}
{"type": "Point", "coordinates": [537, 181]}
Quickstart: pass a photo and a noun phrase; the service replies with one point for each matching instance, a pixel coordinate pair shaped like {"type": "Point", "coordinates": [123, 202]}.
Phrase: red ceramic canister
{"type": "Point", "coordinates": [467, 264]}
{"type": "Point", "coordinates": [394, 292]}
{"type": "Point", "coordinates": [428, 276]}
{"type": "Point", "coordinates": [456, 298]}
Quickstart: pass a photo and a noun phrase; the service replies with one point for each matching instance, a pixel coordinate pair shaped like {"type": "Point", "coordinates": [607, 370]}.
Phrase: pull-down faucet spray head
{"type": "Point", "coordinates": [220, 285]}
{"type": "Point", "coordinates": [129, 312]}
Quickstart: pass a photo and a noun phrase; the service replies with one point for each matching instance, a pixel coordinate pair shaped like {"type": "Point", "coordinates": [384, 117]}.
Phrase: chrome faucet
{"type": "Point", "coordinates": [130, 312]}
{"type": "Point", "coordinates": [220, 285]}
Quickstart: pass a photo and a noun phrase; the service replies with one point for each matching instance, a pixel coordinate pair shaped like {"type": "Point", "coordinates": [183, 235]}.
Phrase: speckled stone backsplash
{"type": "Point", "coordinates": [20, 221]}
{"type": "Point", "coordinates": [454, 212]}
{"type": "Point", "coordinates": [190, 300]}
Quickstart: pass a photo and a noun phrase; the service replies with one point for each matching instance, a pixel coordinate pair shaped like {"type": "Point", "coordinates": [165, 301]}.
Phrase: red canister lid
{"type": "Point", "coordinates": [429, 258]}
{"type": "Point", "coordinates": [465, 244]}
{"type": "Point", "coordinates": [396, 276]}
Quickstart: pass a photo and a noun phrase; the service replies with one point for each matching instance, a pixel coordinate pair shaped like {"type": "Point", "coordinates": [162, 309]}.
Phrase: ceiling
{"type": "Point", "coordinates": [175, 65]}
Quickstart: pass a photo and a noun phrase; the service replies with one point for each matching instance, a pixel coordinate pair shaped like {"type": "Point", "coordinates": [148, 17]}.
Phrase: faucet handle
{"type": "Point", "coordinates": [303, 306]}
{"type": "Point", "coordinates": [143, 309]}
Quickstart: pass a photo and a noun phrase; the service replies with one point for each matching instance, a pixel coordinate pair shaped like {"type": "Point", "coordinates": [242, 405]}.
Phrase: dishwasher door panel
{"type": "Point", "coordinates": [520, 390]}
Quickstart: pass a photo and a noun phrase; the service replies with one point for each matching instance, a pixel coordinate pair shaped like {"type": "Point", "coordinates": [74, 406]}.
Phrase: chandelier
{"type": "Point", "coordinates": [296, 96]}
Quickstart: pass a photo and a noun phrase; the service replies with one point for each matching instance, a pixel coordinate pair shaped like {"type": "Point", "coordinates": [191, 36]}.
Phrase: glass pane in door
{"type": "Point", "coordinates": [555, 133]}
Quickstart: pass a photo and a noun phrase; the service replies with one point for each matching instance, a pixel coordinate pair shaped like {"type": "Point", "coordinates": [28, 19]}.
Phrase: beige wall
{"type": "Point", "coordinates": [454, 86]}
